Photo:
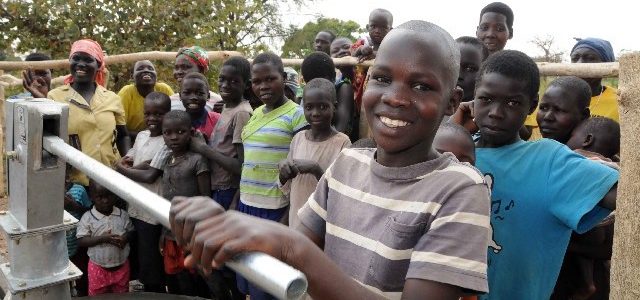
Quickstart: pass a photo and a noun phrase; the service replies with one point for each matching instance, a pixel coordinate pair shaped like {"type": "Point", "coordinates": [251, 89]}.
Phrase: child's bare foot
{"type": "Point", "coordinates": [584, 292]}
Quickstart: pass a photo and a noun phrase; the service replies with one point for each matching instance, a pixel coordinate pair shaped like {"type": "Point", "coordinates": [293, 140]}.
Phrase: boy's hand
{"type": "Point", "coordinates": [464, 116]}
{"type": "Point", "coordinates": [218, 239]}
{"type": "Point", "coordinates": [308, 166]}
{"type": "Point", "coordinates": [117, 240]}
{"type": "Point", "coordinates": [197, 144]}
{"type": "Point", "coordinates": [124, 163]}
{"type": "Point", "coordinates": [185, 213]}
{"type": "Point", "coordinates": [38, 87]}
{"type": "Point", "coordinates": [288, 170]}
{"type": "Point", "coordinates": [145, 165]}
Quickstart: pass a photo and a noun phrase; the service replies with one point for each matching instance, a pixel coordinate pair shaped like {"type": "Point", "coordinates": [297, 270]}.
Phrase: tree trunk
{"type": "Point", "coordinates": [625, 273]}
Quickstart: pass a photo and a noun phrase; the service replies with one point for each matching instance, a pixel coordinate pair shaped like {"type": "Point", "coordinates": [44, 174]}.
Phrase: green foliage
{"type": "Point", "coordinates": [125, 26]}
{"type": "Point", "coordinates": [300, 42]}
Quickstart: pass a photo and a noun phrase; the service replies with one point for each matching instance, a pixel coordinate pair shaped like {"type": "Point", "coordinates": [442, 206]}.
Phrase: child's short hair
{"type": "Point", "coordinates": [384, 12]}
{"type": "Point", "coordinates": [332, 36]}
{"type": "Point", "coordinates": [324, 85]}
{"type": "Point", "coordinates": [513, 64]}
{"type": "Point", "coordinates": [473, 41]}
{"type": "Point", "coordinates": [576, 85]}
{"type": "Point", "coordinates": [37, 56]}
{"type": "Point", "coordinates": [180, 115]}
{"type": "Point", "coordinates": [457, 129]}
{"type": "Point", "coordinates": [500, 8]}
{"type": "Point", "coordinates": [606, 131]}
{"type": "Point", "coordinates": [161, 98]}
{"type": "Point", "coordinates": [242, 66]}
{"type": "Point", "coordinates": [451, 52]}
{"type": "Point", "coordinates": [269, 58]}
{"type": "Point", "coordinates": [197, 75]}
{"type": "Point", "coordinates": [318, 65]}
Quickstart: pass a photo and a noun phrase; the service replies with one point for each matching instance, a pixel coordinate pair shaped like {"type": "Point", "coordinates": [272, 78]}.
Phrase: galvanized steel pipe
{"type": "Point", "coordinates": [270, 274]}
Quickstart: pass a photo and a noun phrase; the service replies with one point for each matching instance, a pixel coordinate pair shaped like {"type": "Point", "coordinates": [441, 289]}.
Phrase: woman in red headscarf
{"type": "Point", "coordinates": [96, 117]}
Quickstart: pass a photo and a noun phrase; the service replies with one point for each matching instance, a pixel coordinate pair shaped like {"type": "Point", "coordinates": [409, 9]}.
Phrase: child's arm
{"type": "Point", "coordinates": [147, 175]}
{"type": "Point", "coordinates": [344, 113]}
{"type": "Point", "coordinates": [204, 184]}
{"type": "Point", "coordinates": [233, 165]}
{"type": "Point", "coordinates": [609, 200]}
{"type": "Point", "coordinates": [287, 170]}
{"type": "Point", "coordinates": [308, 166]}
{"type": "Point", "coordinates": [464, 116]}
{"type": "Point", "coordinates": [90, 241]}
{"type": "Point", "coordinates": [212, 247]}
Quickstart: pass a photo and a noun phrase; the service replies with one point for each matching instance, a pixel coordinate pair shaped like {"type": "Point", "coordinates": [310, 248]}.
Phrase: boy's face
{"type": "Point", "coordinates": [340, 48]}
{"type": "Point", "coordinates": [183, 67]}
{"type": "Point", "coordinates": [177, 134]}
{"type": "Point", "coordinates": [154, 111]}
{"type": "Point", "coordinates": [493, 31]}
{"type": "Point", "coordinates": [144, 73]}
{"type": "Point", "coordinates": [460, 146]}
{"type": "Point", "coordinates": [500, 107]}
{"type": "Point", "coordinates": [103, 199]}
{"type": "Point", "coordinates": [558, 114]}
{"type": "Point", "coordinates": [318, 109]}
{"type": "Point", "coordinates": [470, 61]}
{"type": "Point", "coordinates": [322, 42]}
{"type": "Point", "coordinates": [194, 95]}
{"type": "Point", "coordinates": [378, 27]}
{"type": "Point", "coordinates": [409, 91]}
{"type": "Point", "coordinates": [231, 84]}
{"type": "Point", "coordinates": [267, 83]}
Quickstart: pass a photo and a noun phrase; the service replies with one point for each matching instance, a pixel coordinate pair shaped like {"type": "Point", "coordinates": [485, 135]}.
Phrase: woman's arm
{"type": "Point", "coordinates": [123, 141]}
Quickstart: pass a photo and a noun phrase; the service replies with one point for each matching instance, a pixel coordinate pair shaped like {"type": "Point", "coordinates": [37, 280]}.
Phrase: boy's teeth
{"type": "Point", "coordinates": [153, 126]}
{"type": "Point", "coordinates": [393, 123]}
{"type": "Point", "coordinates": [193, 105]}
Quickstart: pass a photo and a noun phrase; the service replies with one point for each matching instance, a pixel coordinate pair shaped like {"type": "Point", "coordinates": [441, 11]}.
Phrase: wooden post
{"type": "Point", "coordinates": [625, 274]}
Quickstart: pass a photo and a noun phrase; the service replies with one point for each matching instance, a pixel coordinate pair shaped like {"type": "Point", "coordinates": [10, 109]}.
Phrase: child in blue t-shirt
{"type": "Point", "coordinates": [541, 191]}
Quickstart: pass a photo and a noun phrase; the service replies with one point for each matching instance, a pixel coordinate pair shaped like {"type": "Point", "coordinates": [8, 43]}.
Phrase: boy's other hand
{"type": "Point", "coordinates": [37, 87]}
{"type": "Point", "coordinates": [186, 212]}
{"type": "Point", "coordinates": [288, 169]}
{"type": "Point", "coordinates": [464, 116]}
{"type": "Point", "coordinates": [220, 238]}
{"type": "Point", "coordinates": [119, 241]}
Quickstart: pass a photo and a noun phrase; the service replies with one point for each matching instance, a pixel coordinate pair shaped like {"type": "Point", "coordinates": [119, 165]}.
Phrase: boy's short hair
{"type": "Point", "coordinates": [37, 56]}
{"type": "Point", "coordinates": [242, 66]}
{"type": "Point", "coordinates": [473, 41]}
{"type": "Point", "coordinates": [606, 131]}
{"type": "Point", "coordinates": [384, 12]}
{"type": "Point", "coordinates": [513, 64]}
{"type": "Point", "coordinates": [451, 53]}
{"type": "Point", "coordinates": [161, 98]}
{"type": "Point", "coordinates": [456, 129]}
{"type": "Point", "coordinates": [318, 65]}
{"type": "Point", "coordinates": [197, 75]}
{"type": "Point", "coordinates": [576, 85]}
{"type": "Point", "coordinates": [269, 58]}
{"type": "Point", "coordinates": [332, 36]}
{"type": "Point", "coordinates": [324, 85]}
{"type": "Point", "coordinates": [500, 8]}
{"type": "Point", "coordinates": [179, 115]}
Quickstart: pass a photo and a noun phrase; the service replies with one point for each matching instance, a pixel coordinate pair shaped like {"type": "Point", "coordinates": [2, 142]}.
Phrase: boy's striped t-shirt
{"type": "Point", "coordinates": [266, 139]}
{"type": "Point", "coordinates": [383, 225]}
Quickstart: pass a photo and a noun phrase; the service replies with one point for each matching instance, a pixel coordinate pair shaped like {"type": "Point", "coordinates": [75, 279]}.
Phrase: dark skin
{"type": "Point", "coordinates": [37, 82]}
{"type": "Point", "coordinates": [493, 31]}
{"type": "Point", "coordinates": [84, 68]}
{"type": "Point", "coordinates": [214, 236]}
{"type": "Point", "coordinates": [378, 27]}
{"type": "Point", "coordinates": [340, 47]}
{"type": "Point", "coordinates": [103, 201]}
{"type": "Point", "coordinates": [500, 108]}
{"type": "Point", "coordinates": [154, 111]}
{"type": "Point", "coordinates": [471, 58]}
{"type": "Point", "coordinates": [267, 84]}
{"type": "Point", "coordinates": [586, 55]}
{"type": "Point", "coordinates": [144, 77]}
{"type": "Point", "coordinates": [182, 67]}
{"type": "Point", "coordinates": [177, 136]}
{"type": "Point", "coordinates": [460, 146]}
{"type": "Point", "coordinates": [322, 42]}
{"type": "Point", "coordinates": [318, 110]}
{"type": "Point", "coordinates": [232, 89]}
{"type": "Point", "coordinates": [559, 114]}
{"type": "Point", "coordinates": [194, 94]}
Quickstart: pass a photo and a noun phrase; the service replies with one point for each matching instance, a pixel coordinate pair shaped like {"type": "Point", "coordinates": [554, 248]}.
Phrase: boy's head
{"type": "Point", "coordinates": [102, 198]}
{"type": "Point", "coordinates": [340, 47]}
{"type": "Point", "coordinates": [563, 106]}
{"type": "Point", "coordinates": [234, 79]}
{"type": "Point", "coordinates": [472, 53]}
{"type": "Point", "coordinates": [506, 92]}
{"type": "Point", "coordinates": [380, 23]}
{"type": "Point", "coordinates": [495, 26]}
{"type": "Point", "coordinates": [318, 65]}
{"type": "Point", "coordinates": [43, 75]}
{"type": "Point", "coordinates": [597, 134]}
{"type": "Point", "coordinates": [456, 139]}
{"type": "Point", "coordinates": [144, 73]}
{"type": "Point", "coordinates": [156, 105]}
{"type": "Point", "coordinates": [291, 83]}
{"type": "Point", "coordinates": [267, 78]}
{"type": "Point", "coordinates": [319, 102]}
{"type": "Point", "coordinates": [323, 41]}
{"type": "Point", "coordinates": [194, 93]}
{"type": "Point", "coordinates": [177, 131]}
{"type": "Point", "coordinates": [412, 85]}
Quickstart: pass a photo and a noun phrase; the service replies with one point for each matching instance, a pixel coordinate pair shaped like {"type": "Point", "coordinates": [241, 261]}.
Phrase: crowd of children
{"type": "Point", "coordinates": [423, 206]}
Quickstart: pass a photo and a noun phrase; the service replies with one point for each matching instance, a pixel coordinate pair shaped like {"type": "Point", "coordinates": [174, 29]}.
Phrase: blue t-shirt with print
{"type": "Point", "coordinates": [541, 191]}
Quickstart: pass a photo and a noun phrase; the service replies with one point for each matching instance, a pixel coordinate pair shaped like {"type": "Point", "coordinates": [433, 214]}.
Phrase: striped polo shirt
{"type": "Point", "coordinates": [384, 225]}
{"type": "Point", "coordinates": [266, 139]}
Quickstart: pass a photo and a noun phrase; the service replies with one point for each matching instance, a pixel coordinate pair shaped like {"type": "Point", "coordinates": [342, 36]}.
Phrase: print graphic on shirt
{"type": "Point", "coordinates": [488, 178]}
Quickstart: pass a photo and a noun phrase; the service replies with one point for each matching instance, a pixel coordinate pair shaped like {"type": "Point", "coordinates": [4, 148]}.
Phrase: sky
{"type": "Point", "coordinates": [612, 20]}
